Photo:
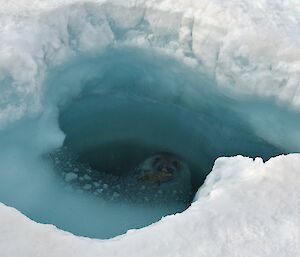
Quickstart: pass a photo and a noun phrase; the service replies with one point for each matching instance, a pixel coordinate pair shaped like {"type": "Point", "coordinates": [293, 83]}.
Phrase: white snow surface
{"type": "Point", "coordinates": [231, 40]}
{"type": "Point", "coordinates": [246, 207]}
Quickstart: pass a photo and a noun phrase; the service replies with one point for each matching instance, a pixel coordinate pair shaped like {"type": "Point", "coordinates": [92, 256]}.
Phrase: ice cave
{"type": "Point", "coordinates": [149, 128]}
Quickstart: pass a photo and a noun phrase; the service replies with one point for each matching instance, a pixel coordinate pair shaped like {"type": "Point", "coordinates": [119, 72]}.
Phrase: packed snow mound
{"type": "Point", "coordinates": [252, 48]}
{"type": "Point", "coordinates": [245, 208]}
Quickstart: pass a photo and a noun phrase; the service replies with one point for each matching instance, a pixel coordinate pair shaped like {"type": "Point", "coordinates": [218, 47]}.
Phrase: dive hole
{"type": "Point", "coordinates": [142, 131]}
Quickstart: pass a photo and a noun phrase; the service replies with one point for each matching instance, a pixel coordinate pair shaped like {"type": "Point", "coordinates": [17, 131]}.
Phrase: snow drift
{"type": "Point", "coordinates": [246, 52]}
{"type": "Point", "coordinates": [245, 208]}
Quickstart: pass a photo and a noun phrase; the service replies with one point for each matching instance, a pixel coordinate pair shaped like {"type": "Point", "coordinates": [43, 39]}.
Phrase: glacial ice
{"type": "Point", "coordinates": [249, 52]}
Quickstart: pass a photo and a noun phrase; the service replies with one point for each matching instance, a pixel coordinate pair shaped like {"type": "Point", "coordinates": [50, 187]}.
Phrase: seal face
{"type": "Point", "coordinates": [165, 163]}
{"type": "Point", "coordinates": [159, 168]}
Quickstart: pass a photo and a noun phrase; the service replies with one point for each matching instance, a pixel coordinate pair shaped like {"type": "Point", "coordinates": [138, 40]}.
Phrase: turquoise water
{"type": "Point", "coordinates": [112, 111]}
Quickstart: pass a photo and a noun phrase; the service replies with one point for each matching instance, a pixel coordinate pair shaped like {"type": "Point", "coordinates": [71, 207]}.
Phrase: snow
{"type": "Point", "coordinates": [231, 40]}
{"type": "Point", "coordinates": [246, 207]}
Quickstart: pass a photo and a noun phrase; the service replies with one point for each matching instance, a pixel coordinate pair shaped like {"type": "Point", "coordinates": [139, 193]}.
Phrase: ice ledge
{"type": "Point", "coordinates": [245, 208]}
{"type": "Point", "coordinates": [251, 47]}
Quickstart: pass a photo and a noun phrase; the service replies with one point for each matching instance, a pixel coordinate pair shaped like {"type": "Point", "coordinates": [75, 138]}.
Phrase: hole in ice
{"type": "Point", "coordinates": [125, 148]}
{"type": "Point", "coordinates": [142, 131]}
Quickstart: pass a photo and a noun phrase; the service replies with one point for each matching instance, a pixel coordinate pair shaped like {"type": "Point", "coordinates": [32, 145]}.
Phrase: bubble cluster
{"type": "Point", "coordinates": [140, 185]}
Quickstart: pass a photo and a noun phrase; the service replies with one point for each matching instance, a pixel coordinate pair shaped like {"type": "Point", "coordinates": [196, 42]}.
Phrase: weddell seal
{"type": "Point", "coordinates": [162, 168]}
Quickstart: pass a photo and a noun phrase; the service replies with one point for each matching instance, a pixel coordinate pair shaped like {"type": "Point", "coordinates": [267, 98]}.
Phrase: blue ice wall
{"type": "Point", "coordinates": [121, 95]}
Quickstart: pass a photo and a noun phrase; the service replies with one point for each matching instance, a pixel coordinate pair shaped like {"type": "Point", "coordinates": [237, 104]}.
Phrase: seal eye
{"type": "Point", "coordinates": [175, 164]}
{"type": "Point", "coordinates": [157, 160]}
{"type": "Point", "coordinates": [160, 167]}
